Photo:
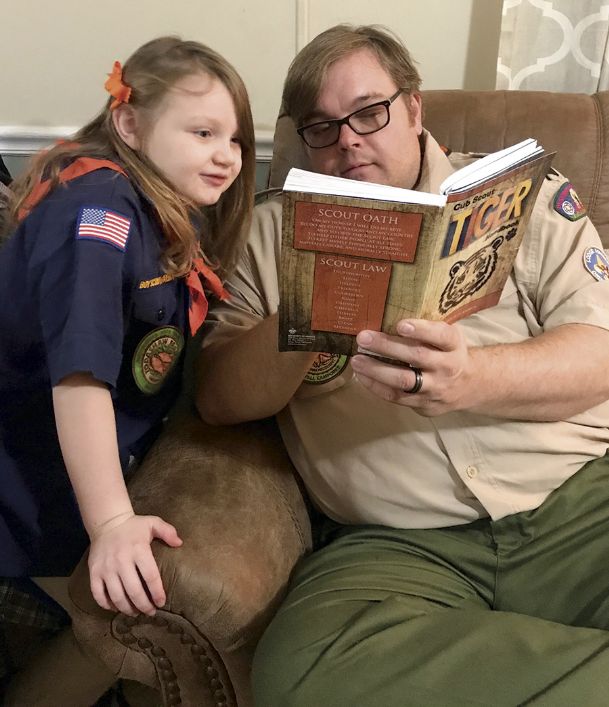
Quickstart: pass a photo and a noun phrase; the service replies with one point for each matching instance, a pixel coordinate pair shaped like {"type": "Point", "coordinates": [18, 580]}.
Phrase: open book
{"type": "Point", "coordinates": [357, 255]}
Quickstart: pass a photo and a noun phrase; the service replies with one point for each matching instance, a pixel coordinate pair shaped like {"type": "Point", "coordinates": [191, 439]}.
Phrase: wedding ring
{"type": "Point", "coordinates": [418, 381]}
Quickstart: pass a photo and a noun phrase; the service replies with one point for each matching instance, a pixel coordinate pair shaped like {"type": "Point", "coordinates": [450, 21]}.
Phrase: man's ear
{"type": "Point", "coordinates": [416, 111]}
{"type": "Point", "coordinates": [125, 123]}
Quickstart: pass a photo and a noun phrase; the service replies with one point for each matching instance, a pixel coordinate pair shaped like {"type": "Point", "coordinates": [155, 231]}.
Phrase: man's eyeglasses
{"type": "Point", "coordinates": [364, 121]}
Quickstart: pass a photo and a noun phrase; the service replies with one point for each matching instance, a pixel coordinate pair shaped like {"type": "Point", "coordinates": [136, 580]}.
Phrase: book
{"type": "Point", "coordinates": [357, 255]}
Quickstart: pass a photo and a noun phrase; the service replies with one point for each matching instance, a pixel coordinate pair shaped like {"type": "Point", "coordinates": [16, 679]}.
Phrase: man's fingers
{"type": "Point", "coordinates": [390, 393]}
{"type": "Point", "coordinates": [396, 379]}
{"type": "Point", "coordinates": [415, 342]}
{"type": "Point", "coordinates": [439, 335]}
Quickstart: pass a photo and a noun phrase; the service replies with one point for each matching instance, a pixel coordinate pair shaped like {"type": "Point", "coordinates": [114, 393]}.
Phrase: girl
{"type": "Point", "coordinates": [96, 283]}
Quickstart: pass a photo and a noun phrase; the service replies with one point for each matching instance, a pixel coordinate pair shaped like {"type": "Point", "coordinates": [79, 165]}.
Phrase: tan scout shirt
{"type": "Point", "coordinates": [365, 460]}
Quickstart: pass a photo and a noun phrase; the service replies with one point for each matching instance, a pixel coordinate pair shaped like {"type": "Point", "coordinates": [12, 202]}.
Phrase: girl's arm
{"type": "Point", "coordinates": [120, 556]}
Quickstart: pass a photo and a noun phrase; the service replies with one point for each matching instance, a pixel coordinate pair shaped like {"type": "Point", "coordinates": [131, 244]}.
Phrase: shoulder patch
{"type": "Point", "coordinates": [568, 204]}
{"type": "Point", "coordinates": [97, 223]}
{"type": "Point", "coordinates": [596, 263]}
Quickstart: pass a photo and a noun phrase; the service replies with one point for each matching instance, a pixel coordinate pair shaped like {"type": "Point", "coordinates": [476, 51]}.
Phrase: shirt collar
{"type": "Point", "coordinates": [435, 165]}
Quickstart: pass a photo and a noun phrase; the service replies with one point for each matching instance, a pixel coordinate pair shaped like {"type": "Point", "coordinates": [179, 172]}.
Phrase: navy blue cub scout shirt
{"type": "Point", "coordinates": [81, 289]}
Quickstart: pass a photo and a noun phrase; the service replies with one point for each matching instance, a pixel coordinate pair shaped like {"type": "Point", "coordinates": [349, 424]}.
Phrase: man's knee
{"type": "Point", "coordinates": [276, 672]}
{"type": "Point", "coordinates": [295, 664]}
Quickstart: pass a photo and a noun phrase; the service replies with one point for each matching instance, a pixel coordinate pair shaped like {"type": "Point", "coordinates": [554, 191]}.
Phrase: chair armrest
{"type": "Point", "coordinates": [233, 497]}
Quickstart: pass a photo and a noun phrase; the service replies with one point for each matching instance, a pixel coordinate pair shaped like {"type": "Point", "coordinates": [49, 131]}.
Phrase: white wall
{"type": "Point", "coordinates": [54, 57]}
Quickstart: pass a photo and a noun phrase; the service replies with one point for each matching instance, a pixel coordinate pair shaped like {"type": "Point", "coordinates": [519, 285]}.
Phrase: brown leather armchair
{"type": "Point", "coordinates": [231, 492]}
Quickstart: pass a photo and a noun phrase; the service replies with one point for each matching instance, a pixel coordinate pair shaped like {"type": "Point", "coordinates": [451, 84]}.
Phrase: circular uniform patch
{"type": "Point", "coordinates": [155, 356]}
{"type": "Point", "coordinates": [326, 367]}
{"type": "Point", "coordinates": [596, 263]}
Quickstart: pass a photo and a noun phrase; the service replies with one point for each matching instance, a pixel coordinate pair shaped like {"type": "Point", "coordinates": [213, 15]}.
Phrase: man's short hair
{"type": "Point", "coordinates": [308, 69]}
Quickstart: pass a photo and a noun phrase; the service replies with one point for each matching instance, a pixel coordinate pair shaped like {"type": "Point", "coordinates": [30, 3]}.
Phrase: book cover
{"type": "Point", "coordinates": [350, 263]}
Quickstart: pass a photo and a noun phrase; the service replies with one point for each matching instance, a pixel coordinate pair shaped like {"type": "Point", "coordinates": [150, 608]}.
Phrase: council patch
{"type": "Point", "coordinates": [155, 357]}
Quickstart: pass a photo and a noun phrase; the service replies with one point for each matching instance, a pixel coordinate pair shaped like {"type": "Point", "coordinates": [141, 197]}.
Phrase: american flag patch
{"type": "Point", "coordinates": [99, 224]}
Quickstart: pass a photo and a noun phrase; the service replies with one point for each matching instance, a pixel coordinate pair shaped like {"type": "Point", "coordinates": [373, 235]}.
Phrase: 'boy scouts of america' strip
{"type": "Point", "coordinates": [99, 224]}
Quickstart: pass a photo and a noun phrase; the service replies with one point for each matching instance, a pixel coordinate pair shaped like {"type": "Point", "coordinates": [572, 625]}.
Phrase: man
{"type": "Point", "coordinates": [464, 558]}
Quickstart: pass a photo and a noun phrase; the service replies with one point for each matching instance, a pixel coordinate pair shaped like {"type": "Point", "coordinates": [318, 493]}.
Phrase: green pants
{"type": "Point", "coordinates": [512, 612]}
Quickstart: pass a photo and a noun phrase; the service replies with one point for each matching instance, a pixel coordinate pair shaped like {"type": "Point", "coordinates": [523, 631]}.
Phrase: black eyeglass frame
{"type": "Point", "coordinates": [339, 122]}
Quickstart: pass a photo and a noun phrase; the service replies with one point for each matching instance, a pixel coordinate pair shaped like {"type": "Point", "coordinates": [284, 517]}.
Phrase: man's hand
{"type": "Point", "coordinates": [437, 349]}
{"type": "Point", "coordinates": [553, 376]}
{"type": "Point", "coordinates": [123, 571]}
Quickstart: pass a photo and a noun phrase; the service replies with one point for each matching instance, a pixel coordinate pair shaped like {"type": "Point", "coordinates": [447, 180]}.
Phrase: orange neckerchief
{"type": "Point", "coordinates": [78, 168]}
{"type": "Point", "coordinates": [197, 310]}
{"type": "Point", "coordinates": [198, 306]}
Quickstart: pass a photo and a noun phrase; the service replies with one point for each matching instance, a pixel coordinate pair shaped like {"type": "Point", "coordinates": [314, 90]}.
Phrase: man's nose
{"type": "Point", "coordinates": [347, 137]}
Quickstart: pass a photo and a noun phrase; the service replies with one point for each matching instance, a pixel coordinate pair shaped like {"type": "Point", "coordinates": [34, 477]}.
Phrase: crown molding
{"type": "Point", "coordinates": [26, 140]}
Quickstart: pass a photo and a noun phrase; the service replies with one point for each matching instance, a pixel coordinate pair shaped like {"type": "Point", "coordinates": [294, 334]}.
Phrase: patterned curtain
{"type": "Point", "coordinates": [554, 45]}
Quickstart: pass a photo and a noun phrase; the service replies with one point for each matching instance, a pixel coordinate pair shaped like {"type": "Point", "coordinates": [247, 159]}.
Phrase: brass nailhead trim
{"type": "Point", "coordinates": [169, 683]}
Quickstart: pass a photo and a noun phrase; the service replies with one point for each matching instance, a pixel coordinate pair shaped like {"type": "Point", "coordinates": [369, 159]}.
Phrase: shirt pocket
{"type": "Point", "coordinates": [155, 305]}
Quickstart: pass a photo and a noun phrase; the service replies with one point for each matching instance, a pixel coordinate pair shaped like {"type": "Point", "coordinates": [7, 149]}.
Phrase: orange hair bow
{"type": "Point", "coordinates": [116, 87]}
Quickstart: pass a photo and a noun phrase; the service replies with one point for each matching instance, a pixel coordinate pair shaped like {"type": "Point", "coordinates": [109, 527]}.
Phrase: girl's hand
{"type": "Point", "coordinates": [124, 574]}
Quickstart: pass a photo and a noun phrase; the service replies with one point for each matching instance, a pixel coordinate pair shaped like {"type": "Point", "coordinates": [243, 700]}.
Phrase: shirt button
{"type": "Point", "coordinates": [471, 472]}
{"type": "Point", "coordinates": [160, 315]}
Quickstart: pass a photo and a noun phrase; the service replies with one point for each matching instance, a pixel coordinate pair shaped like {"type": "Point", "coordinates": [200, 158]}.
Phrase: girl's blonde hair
{"type": "Point", "coordinates": [151, 72]}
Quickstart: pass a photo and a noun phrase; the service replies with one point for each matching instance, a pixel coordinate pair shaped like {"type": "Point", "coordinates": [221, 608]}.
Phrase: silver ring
{"type": "Point", "coordinates": [418, 381]}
